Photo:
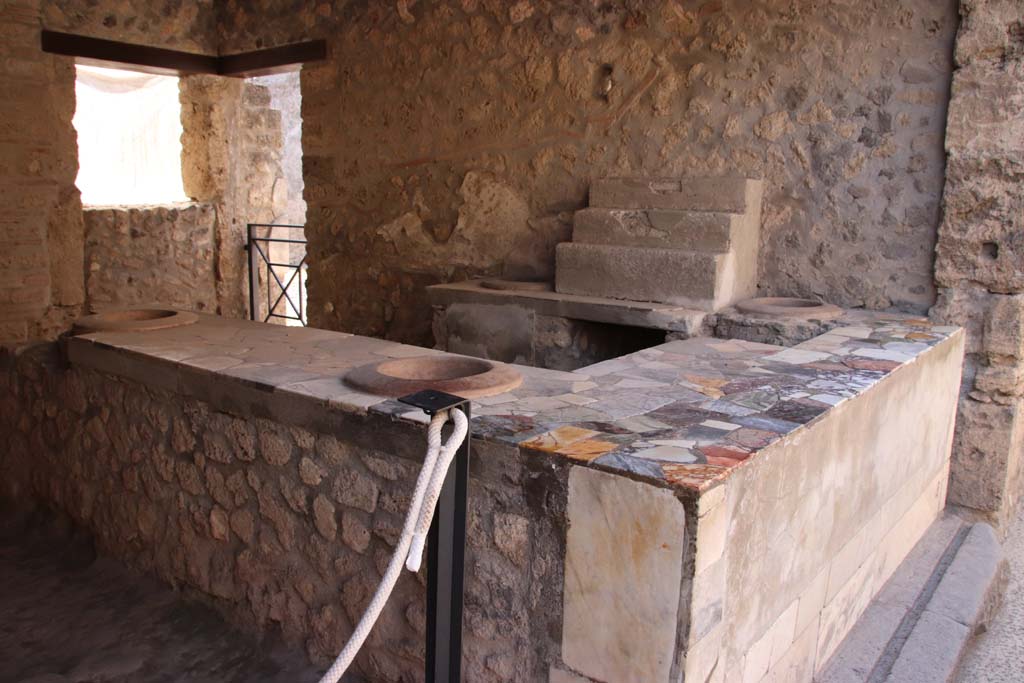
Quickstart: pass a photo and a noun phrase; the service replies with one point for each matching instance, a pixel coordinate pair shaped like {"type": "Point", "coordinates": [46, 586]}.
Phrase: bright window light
{"type": "Point", "coordinates": [129, 138]}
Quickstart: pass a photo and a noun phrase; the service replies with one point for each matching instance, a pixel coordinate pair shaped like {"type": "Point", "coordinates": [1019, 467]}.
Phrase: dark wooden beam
{"type": "Point", "coordinates": [273, 60]}
{"type": "Point", "coordinates": [112, 53]}
{"type": "Point", "coordinates": [99, 52]}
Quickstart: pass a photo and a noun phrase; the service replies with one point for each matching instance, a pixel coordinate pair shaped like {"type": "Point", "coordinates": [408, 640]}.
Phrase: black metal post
{"type": "Point", "coordinates": [446, 551]}
{"type": "Point", "coordinates": [252, 285]}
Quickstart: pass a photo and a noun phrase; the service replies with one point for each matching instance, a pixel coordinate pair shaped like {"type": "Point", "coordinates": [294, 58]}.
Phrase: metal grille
{"type": "Point", "coordinates": [277, 265]}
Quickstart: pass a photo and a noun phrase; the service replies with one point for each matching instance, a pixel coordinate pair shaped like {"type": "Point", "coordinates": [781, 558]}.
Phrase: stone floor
{"type": "Point", "coordinates": [70, 617]}
{"type": "Point", "coordinates": [997, 656]}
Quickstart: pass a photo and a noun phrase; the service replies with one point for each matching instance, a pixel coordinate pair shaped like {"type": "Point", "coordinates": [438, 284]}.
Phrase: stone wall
{"type": "Point", "coordinates": [231, 158]}
{"type": "Point", "coordinates": [281, 526]}
{"type": "Point", "coordinates": [980, 254]}
{"type": "Point", "coordinates": [285, 97]}
{"type": "Point", "coordinates": [188, 26]}
{"type": "Point", "coordinates": [448, 139]}
{"type": "Point", "coordinates": [151, 255]}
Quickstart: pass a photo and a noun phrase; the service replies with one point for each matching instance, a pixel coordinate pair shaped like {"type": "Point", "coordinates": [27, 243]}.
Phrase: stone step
{"type": "Point", "coordinates": [664, 228]}
{"type": "Point", "coordinates": [728, 195]}
{"type": "Point", "coordinates": [917, 627]}
{"type": "Point", "coordinates": [702, 280]}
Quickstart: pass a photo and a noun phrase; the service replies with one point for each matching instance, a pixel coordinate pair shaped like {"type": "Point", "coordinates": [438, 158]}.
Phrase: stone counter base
{"type": "Point", "coordinates": [280, 527]}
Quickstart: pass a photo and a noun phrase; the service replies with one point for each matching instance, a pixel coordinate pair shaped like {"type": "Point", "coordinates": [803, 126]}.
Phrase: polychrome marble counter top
{"type": "Point", "coordinates": [682, 414]}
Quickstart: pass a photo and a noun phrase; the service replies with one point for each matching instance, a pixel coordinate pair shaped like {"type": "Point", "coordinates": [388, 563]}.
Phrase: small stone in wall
{"type": "Point", "coordinates": [276, 448]}
{"type": "Point", "coordinates": [238, 487]}
{"type": "Point", "coordinates": [353, 489]}
{"type": "Point", "coordinates": [182, 439]}
{"type": "Point", "coordinates": [416, 615]}
{"type": "Point", "coordinates": [243, 524]}
{"type": "Point", "coordinates": [324, 517]}
{"type": "Point", "coordinates": [328, 632]}
{"type": "Point", "coordinates": [354, 533]}
{"type": "Point", "coordinates": [304, 439]}
{"type": "Point", "coordinates": [520, 12]}
{"type": "Point", "coordinates": [219, 524]}
{"type": "Point", "coordinates": [242, 434]}
{"type": "Point", "coordinates": [773, 126]}
{"type": "Point", "coordinates": [218, 488]}
{"type": "Point", "coordinates": [294, 494]}
{"type": "Point", "coordinates": [310, 473]}
{"type": "Point", "coordinates": [217, 448]}
{"type": "Point", "coordinates": [188, 476]}
{"type": "Point", "coordinates": [384, 468]}
{"type": "Point", "coordinates": [384, 528]}
{"type": "Point", "coordinates": [512, 536]}
{"type": "Point", "coordinates": [354, 594]}
{"type": "Point", "coordinates": [333, 452]}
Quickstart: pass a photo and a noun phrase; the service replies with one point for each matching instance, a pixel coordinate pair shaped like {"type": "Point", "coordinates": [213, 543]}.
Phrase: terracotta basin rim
{"type": "Point", "coordinates": [789, 307]}
{"type": "Point", "coordinates": [458, 375]}
{"type": "Point", "coordinates": [133, 320]}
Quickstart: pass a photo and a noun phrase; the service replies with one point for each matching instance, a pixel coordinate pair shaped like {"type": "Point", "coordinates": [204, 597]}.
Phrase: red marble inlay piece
{"type": "Point", "coordinates": [693, 476]}
{"type": "Point", "coordinates": [871, 364]}
{"type": "Point", "coordinates": [723, 455]}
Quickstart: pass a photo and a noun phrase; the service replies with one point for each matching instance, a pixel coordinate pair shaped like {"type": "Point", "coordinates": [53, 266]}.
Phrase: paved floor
{"type": "Point", "coordinates": [998, 655]}
{"type": "Point", "coordinates": [67, 617]}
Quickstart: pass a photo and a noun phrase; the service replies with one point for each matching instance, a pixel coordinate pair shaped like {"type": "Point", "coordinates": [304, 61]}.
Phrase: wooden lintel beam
{"type": "Point", "coordinates": [101, 52]}
{"type": "Point", "coordinates": [272, 60]}
{"type": "Point", "coordinates": [111, 52]}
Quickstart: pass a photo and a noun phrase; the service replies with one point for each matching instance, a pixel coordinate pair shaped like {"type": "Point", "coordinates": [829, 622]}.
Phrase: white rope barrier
{"type": "Point", "coordinates": [414, 531]}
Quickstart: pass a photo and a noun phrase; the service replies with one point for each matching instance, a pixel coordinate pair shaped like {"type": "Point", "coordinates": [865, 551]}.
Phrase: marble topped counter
{"type": "Point", "coordinates": [683, 414]}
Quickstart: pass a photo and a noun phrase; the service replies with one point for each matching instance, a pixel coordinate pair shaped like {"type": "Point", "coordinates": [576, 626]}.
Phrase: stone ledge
{"type": "Point", "coordinates": [578, 307]}
{"type": "Point", "coordinates": [920, 623]}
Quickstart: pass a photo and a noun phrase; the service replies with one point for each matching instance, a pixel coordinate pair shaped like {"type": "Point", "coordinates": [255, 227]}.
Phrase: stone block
{"type": "Point", "coordinates": [962, 594]}
{"type": "Point", "coordinates": [660, 228]}
{"type": "Point", "coordinates": [1005, 379]}
{"type": "Point", "coordinates": [712, 531]}
{"type": "Point", "coordinates": [931, 652]}
{"type": "Point", "coordinates": [703, 658]}
{"type": "Point", "coordinates": [987, 438]}
{"type": "Point", "coordinates": [986, 31]}
{"type": "Point", "coordinates": [796, 665]}
{"type": "Point", "coordinates": [961, 305]}
{"type": "Point", "coordinates": [621, 608]}
{"type": "Point", "coordinates": [730, 195]}
{"type": "Point", "coordinates": [695, 279]}
{"type": "Point", "coordinates": [1004, 326]}
{"type": "Point", "coordinates": [985, 116]}
{"type": "Point", "coordinates": [981, 239]}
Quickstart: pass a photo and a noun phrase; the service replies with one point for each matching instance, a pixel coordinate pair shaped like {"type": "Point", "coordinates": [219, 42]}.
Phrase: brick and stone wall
{"type": "Point", "coordinates": [41, 223]}
{"type": "Point", "coordinates": [40, 210]}
{"type": "Point", "coordinates": [980, 255]}
{"type": "Point", "coordinates": [232, 136]}
{"type": "Point", "coordinates": [282, 526]}
{"type": "Point", "coordinates": [448, 139]}
{"type": "Point", "coordinates": [151, 255]}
